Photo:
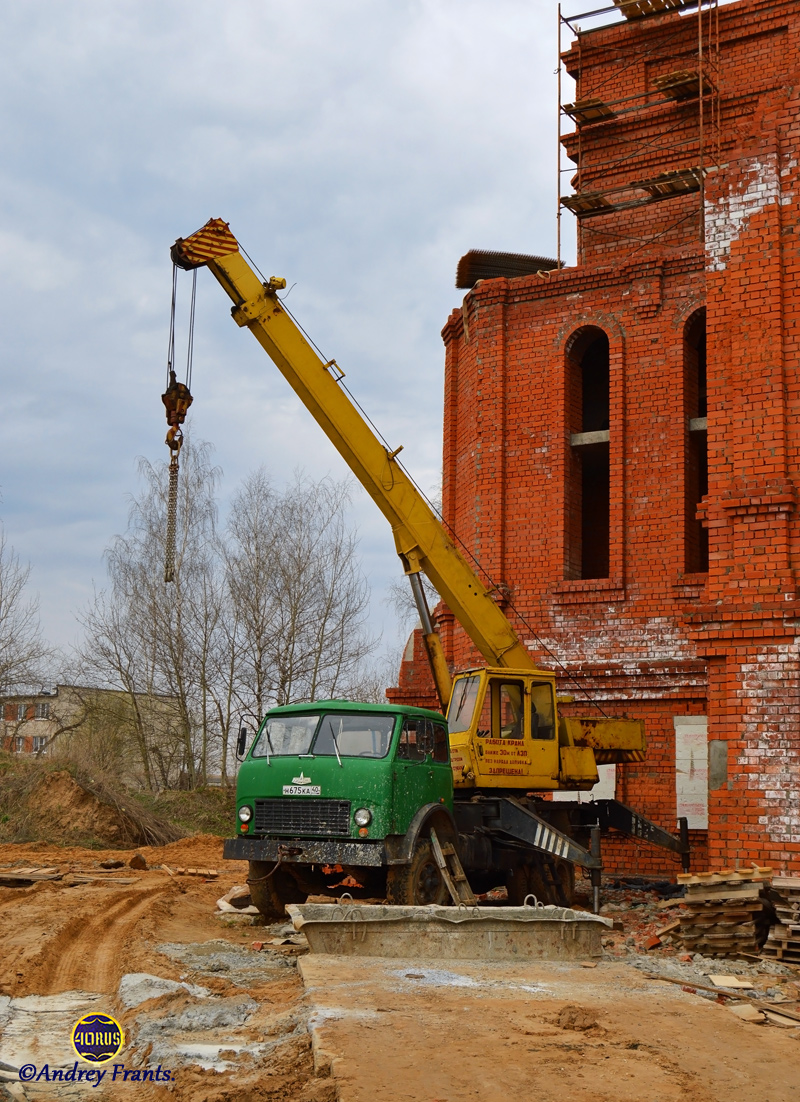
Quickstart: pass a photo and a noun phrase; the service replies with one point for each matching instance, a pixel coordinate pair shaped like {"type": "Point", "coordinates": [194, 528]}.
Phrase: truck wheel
{"type": "Point", "coordinates": [533, 880]}
{"type": "Point", "coordinates": [565, 875]}
{"type": "Point", "coordinates": [518, 885]}
{"type": "Point", "coordinates": [271, 893]}
{"type": "Point", "coordinates": [419, 883]}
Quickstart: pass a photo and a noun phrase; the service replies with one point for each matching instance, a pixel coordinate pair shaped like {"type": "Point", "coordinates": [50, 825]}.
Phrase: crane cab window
{"type": "Point", "coordinates": [421, 737]}
{"type": "Point", "coordinates": [462, 704]}
{"type": "Point", "coordinates": [503, 712]}
{"type": "Point", "coordinates": [542, 712]}
{"type": "Point", "coordinates": [511, 705]}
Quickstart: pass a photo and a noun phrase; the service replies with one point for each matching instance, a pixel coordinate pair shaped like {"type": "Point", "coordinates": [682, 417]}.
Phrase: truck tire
{"type": "Point", "coordinates": [419, 883]}
{"type": "Point", "coordinates": [531, 879]}
{"type": "Point", "coordinates": [271, 893]}
{"type": "Point", "coordinates": [565, 875]}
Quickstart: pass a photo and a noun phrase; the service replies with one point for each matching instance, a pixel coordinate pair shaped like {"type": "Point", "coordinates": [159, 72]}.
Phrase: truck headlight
{"type": "Point", "coordinates": [245, 813]}
{"type": "Point", "coordinates": [363, 817]}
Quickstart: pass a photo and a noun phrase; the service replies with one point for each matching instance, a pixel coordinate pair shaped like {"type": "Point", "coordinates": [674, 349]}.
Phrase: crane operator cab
{"type": "Point", "coordinates": [503, 730]}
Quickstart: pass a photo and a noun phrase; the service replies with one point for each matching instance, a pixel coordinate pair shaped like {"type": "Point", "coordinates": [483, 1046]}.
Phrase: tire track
{"type": "Point", "coordinates": [89, 950]}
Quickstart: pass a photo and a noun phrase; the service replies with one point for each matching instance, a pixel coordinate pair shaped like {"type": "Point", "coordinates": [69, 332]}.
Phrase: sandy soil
{"type": "Point", "coordinates": [56, 938]}
{"type": "Point", "coordinates": [235, 1024]}
{"type": "Point", "coordinates": [393, 1031]}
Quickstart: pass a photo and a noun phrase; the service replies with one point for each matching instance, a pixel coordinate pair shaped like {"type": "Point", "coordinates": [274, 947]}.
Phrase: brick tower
{"type": "Point", "coordinates": [621, 437]}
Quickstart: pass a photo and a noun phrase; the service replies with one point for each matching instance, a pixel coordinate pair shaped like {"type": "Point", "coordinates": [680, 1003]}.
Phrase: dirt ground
{"type": "Point", "coordinates": [232, 1022]}
{"type": "Point", "coordinates": [392, 1031]}
{"type": "Point", "coordinates": [57, 939]}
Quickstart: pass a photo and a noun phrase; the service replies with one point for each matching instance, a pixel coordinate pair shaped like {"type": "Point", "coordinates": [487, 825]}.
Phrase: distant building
{"type": "Point", "coordinates": [103, 728]}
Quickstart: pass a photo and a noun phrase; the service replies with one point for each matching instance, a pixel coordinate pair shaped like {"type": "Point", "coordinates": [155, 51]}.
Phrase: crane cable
{"type": "Point", "coordinates": [177, 399]}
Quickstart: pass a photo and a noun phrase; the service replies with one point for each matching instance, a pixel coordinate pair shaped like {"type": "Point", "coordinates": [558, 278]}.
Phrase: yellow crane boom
{"type": "Point", "coordinates": [421, 541]}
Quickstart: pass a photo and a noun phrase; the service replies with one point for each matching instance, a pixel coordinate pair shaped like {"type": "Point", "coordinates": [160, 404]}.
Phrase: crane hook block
{"type": "Point", "coordinates": [177, 400]}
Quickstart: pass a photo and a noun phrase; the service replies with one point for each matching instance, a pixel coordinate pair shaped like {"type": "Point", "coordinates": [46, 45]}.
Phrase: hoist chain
{"type": "Point", "coordinates": [172, 520]}
{"type": "Point", "coordinates": [177, 400]}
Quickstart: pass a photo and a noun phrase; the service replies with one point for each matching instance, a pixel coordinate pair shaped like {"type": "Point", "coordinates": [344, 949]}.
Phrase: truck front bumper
{"type": "Point", "coordinates": [305, 851]}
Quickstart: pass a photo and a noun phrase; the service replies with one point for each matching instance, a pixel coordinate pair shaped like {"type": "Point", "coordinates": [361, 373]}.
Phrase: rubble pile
{"type": "Point", "coordinates": [783, 941]}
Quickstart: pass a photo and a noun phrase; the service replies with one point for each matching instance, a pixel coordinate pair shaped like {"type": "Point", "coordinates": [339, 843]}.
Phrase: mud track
{"type": "Point", "coordinates": [89, 953]}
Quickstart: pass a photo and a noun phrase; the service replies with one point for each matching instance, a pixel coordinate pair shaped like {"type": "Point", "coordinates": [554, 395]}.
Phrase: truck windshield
{"type": "Point", "coordinates": [284, 736]}
{"type": "Point", "coordinates": [355, 736]}
{"type": "Point", "coordinates": [462, 704]}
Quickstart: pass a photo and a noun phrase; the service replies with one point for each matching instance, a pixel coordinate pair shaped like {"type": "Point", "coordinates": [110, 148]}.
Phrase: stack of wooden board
{"type": "Point", "coordinates": [726, 913]}
{"type": "Point", "coordinates": [17, 876]}
{"type": "Point", "coordinates": [783, 942]}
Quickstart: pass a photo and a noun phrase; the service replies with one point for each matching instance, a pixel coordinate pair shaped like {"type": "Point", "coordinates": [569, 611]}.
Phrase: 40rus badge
{"type": "Point", "coordinates": [97, 1040]}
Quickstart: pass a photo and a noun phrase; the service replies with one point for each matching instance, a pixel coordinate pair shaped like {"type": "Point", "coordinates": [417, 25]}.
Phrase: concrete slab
{"type": "Point", "coordinates": [450, 933]}
{"type": "Point", "coordinates": [394, 1031]}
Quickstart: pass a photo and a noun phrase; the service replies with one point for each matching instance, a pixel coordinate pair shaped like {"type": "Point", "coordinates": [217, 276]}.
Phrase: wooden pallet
{"type": "Point", "coordinates": [724, 911]}
{"type": "Point", "coordinates": [783, 942]}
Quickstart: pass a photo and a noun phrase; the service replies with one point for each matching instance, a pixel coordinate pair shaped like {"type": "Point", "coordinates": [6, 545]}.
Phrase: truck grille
{"type": "Point", "coordinates": [302, 816]}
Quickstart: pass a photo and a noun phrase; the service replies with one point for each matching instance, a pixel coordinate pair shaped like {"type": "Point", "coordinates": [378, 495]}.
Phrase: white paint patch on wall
{"type": "Point", "coordinates": [727, 217]}
{"type": "Point", "coordinates": [691, 770]}
{"type": "Point", "coordinates": [770, 758]}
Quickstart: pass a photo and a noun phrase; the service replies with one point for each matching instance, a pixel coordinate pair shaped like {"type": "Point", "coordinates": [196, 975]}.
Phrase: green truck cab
{"type": "Point", "coordinates": [337, 791]}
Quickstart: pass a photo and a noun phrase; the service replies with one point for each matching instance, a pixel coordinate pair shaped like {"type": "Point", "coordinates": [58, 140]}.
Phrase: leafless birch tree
{"type": "Point", "coordinates": [23, 652]}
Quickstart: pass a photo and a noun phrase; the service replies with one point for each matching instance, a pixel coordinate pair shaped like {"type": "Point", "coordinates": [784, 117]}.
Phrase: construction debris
{"type": "Point", "coordinates": [21, 877]}
{"type": "Point", "coordinates": [731, 981]}
{"type": "Point", "coordinates": [237, 901]}
{"type": "Point", "coordinates": [783, 940]}
{"type": "Point", "coordinates": [748, 1013]}
{"type": "Point", "coordinates": [727, 911]}
{"type": "Point", "coordinates": [209, 874]}
{"type": "Point", "coordinates": [92, 878]}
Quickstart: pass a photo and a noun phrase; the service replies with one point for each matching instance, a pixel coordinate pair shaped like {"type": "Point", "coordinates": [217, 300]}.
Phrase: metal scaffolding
{"type": "Point", "coordinates": [698, 84]}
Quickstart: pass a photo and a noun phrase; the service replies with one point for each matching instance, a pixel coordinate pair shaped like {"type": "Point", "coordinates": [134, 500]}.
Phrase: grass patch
{"type": "Point", "coordinates": [203, 811]}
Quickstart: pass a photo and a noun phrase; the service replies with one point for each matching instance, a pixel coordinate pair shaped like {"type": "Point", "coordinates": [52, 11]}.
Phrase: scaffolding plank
{"type": "Point", "coordinates": [638, 9]}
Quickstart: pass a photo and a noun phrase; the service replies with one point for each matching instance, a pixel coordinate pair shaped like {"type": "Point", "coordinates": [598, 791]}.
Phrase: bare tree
{"type": "Point", "coordinates": [23, 652]}
{"type": "Point", "coordinates": [152, 640]}
{"type": "Point", "coordinates": [272, 613]}
{"type": "Point", "coordinates": [300, 598]}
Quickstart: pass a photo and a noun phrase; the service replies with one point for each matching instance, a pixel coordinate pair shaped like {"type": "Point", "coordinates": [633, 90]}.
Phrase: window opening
{"type": "Point", "coordinates": [696, 442]}
{"type": "Point", "coordinates": [589, 491]}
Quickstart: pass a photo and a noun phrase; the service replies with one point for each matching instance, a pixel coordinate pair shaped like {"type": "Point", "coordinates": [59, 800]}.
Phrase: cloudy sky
{"type": "Point", "coordinates": [357, 147]}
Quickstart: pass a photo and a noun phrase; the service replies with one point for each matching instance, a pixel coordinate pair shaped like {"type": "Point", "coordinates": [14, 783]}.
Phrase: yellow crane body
{"type": "Point", "coordinates": [505, 731]}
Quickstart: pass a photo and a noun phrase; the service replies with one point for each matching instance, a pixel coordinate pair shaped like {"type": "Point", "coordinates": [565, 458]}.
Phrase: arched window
{"type": "Point", "coordinates": [696, 442]}
{"type": "Point", "coordinates": [588, 486]}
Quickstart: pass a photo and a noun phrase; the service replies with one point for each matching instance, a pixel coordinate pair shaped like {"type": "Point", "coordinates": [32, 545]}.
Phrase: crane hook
{"type": "Point", "coordinates": [177, 400]}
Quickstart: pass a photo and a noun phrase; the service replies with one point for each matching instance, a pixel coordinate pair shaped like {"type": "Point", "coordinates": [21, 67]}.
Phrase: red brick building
{"type": "Point", "coordinates": [622, 437]}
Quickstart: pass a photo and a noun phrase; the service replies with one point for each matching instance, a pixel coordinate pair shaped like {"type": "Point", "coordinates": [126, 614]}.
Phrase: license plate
{"type": "Point", "coordinates": [302, 790]}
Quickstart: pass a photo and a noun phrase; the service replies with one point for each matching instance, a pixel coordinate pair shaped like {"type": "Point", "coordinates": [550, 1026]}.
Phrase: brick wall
{"type": "Point", "coordinates": [654, 637]}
